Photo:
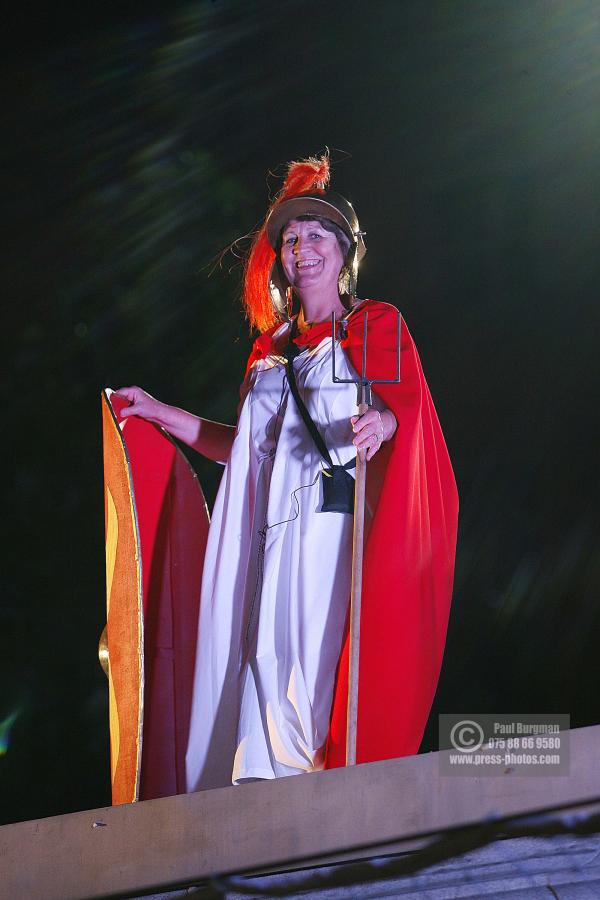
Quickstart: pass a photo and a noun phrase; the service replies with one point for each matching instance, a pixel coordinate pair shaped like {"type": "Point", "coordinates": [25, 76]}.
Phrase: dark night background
{"type": "Point", "coordinates": [136, 146]}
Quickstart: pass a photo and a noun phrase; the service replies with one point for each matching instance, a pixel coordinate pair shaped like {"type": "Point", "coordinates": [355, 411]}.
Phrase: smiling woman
{"type": "Point", "coordinates": [270, 694]}
{"type": "Point", "coordinates": [311, 258]}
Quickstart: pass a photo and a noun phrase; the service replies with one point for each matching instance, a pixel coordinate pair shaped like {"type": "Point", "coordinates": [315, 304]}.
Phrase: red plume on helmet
{"type": "Point", "coordinates": [304, 175]}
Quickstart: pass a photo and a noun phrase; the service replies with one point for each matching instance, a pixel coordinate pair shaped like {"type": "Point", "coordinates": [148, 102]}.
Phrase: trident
{"type": "Point", "coordinates": [363, 401]}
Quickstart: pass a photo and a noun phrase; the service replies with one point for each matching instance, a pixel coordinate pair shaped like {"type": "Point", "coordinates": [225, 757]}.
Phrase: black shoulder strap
{"type": "Point", "coordinates": [290, 353]}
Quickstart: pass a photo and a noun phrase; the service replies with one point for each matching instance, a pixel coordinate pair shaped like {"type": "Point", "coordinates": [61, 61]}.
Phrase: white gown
{"type": "Point", "coordinates": [276, 582]}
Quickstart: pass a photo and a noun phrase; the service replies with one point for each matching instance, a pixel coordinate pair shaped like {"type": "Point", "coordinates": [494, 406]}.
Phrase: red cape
{"type": "Point", "coordinates": [409, 553]}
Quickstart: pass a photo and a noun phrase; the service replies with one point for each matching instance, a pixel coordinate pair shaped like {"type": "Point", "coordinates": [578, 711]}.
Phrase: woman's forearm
{"type": "Point", "coordinates": [211, 439]}
{"type": "Point", "coordinates": [214, 440]}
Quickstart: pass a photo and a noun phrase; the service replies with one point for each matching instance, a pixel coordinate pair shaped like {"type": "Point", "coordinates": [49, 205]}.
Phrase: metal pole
{"type": "Point", "coordinates": [355, 596]}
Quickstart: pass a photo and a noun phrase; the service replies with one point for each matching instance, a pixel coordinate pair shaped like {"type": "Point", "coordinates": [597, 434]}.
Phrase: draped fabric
{"type": "Point", "coordinates": [409, 553]}
{"type": "Point", "coordinates": [407, 577]}
{"type": "Point", "coordinates": [277, 579]}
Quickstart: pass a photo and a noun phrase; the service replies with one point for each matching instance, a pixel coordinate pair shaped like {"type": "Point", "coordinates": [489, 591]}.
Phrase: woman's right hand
{"type": "Point", "coordinates": [142, 404]}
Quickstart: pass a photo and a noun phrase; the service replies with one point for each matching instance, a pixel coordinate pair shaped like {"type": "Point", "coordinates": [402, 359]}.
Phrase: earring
{"type": "Point", "coordinates": [289, 301]}
{"type": "Point", "coordinates": [348, 277]}
{"type": "Point", "coordinates": [344, 281]}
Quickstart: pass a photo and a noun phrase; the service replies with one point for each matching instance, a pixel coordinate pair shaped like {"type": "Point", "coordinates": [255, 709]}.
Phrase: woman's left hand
{"type": "Point", "coordinates": [372, 429]}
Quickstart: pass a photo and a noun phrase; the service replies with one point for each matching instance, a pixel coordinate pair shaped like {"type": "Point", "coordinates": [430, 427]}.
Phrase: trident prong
{"type": "Point", "coordinates": [363, 385]}
{"type": "Point", "coordinates": [363, 388]}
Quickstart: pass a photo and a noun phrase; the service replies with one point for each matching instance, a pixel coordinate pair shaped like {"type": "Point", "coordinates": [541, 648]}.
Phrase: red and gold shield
{"type": "Point", "coordinates": [156, 522]}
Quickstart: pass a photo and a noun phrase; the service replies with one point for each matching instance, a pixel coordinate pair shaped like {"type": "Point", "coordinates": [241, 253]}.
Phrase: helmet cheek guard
{"type": "Point", "coordinates": [324, 206]}
{"type": "Point", "coordinates": [348, 276]}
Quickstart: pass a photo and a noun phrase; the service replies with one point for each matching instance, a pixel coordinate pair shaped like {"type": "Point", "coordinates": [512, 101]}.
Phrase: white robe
{"type": "Point", "coordinates": [276, 582]}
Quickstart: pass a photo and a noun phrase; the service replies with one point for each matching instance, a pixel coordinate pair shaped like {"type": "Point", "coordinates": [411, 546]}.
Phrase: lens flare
{"type": "Point", "coordinates": [5, 730]}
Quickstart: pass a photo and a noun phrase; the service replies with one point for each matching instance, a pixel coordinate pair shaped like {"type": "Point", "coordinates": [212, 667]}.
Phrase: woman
{"type": "Point", "coordinates": [271, 664]}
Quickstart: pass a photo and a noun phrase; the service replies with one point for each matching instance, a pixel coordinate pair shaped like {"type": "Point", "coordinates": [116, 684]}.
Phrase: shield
{"type": "Point", "coordinates": [156, 522]}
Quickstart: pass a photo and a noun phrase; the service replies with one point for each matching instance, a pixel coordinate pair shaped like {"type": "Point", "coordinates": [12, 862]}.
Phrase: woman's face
{"type": "Point", "coordinates": [310, 255]}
